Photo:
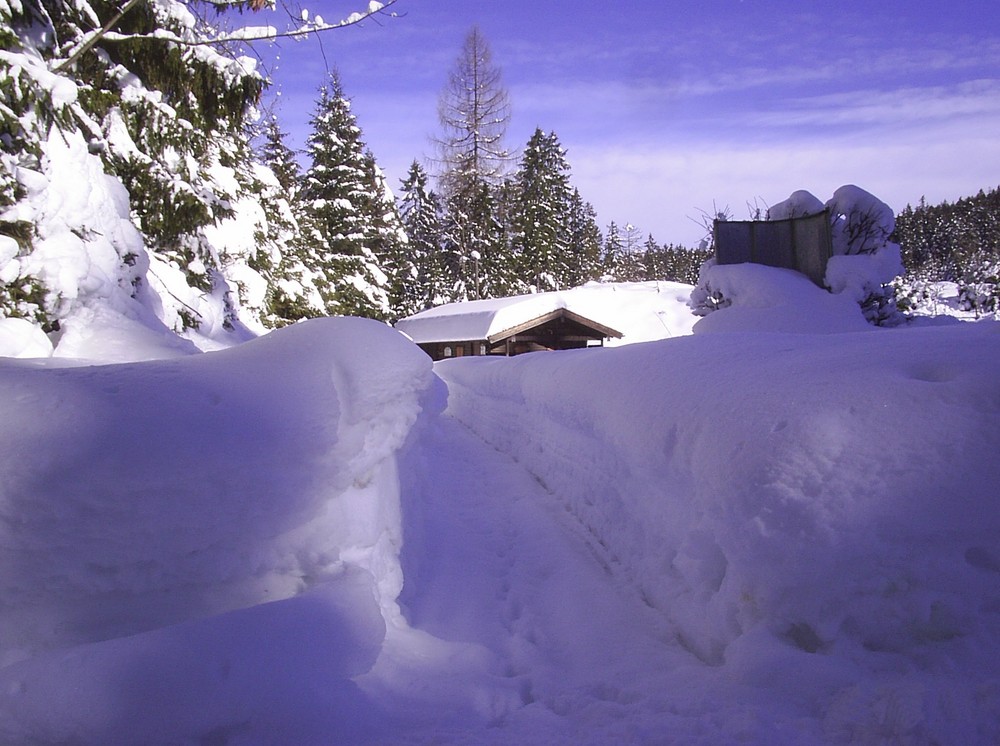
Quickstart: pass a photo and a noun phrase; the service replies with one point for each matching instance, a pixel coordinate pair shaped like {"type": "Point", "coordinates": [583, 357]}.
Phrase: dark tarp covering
{"type": "Point", "coordinates": [803, 244]}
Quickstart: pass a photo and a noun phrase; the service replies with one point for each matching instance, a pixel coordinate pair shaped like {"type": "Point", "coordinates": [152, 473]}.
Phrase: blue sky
{"type": "Point", "coordinates": [671, 109]}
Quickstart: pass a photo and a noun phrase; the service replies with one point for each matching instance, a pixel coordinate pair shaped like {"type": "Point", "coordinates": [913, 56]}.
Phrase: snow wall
{"type": "Point", "coordinates": [126, 508]}
{"type": "Point", "coordinates": [815, 514]}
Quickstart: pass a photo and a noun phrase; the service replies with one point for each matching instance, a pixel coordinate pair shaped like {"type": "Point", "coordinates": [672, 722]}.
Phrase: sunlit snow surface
{"type": "Point", "coordinates": [769, 531]}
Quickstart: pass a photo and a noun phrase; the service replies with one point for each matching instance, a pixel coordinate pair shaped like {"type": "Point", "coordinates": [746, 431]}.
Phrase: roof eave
{"type": "Point", "coordinates": [604, 331]}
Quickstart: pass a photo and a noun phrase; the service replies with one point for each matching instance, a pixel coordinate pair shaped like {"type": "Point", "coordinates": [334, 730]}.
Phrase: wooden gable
{"type": "Point", "coordinates": [557, 327]}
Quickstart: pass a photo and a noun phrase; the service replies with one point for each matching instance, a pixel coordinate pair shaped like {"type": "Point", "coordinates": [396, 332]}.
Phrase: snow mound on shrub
{"type": "Point", "coordinates": [21, 338]}
{"type": "Point", "coordinates": [799, 204]}
{"type": "Point", "coordinates": [770, 299]}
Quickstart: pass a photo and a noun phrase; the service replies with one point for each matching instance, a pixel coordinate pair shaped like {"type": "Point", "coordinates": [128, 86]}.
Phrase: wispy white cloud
{"type": "Point", "coordinates": [909, 106]}
{"type": "Point", "coordinates": [850, 60]}
{"type": "Point", "coordinates": [662, 187]}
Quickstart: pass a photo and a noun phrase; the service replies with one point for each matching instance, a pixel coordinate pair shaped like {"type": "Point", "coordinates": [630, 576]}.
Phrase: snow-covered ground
{"type": "Point", "coordinates": [779, 529]}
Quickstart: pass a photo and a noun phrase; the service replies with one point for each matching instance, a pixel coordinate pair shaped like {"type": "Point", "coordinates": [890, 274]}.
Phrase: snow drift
{"type": "Point", "coordinates": [144, 495]}
{"type": "Point", "coordinates": [778, 529]}
{"type": "Point", "coordinates": [814, 514]}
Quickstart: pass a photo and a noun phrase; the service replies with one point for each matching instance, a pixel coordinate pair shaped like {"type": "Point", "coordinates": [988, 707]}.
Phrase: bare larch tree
{"type": "Point", "coordinates": [473, 110]}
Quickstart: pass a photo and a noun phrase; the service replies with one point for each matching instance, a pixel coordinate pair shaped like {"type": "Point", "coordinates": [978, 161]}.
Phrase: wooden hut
{"type": "Point", "coordinates": [503, 326]}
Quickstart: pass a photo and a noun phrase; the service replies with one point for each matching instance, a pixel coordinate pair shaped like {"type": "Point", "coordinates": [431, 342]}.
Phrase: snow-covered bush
{"type": "Point", "coordinates": [979, 290]}
{"type": "Point", "coordinates": [865, 261]}
{"type": "Point", "coordinates": [704, 297]}
{"type": "Point", "coordinates": [915, 293]}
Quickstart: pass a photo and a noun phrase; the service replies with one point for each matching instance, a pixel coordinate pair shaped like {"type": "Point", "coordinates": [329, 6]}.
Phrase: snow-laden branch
{"type": "Point", "coordinates": [254, 4]}
{"type": "Point", "coordinates": [248, 34]}
{"type": "Point", "coordinates": [313, 25]}
{"type": "Point", "coordinates": [91, 38]}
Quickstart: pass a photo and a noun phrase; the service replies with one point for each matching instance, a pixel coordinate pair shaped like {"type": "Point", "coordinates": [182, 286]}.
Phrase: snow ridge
{"type": "Point", "coordinates": [765, 494]}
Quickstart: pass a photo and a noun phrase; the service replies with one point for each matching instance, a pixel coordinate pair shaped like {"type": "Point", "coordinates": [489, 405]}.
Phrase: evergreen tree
{"type": "Point", "coordinates": [542, 221]}
{"type": "Point", "coordinates": [940, 241]}
{"type": "Point", "coordinates": [495, 261]}
{"type": "Point", "coordinates": [277, 156]}
{"type": "Point", "coordinates": [584, 263]}
{"type": "Point", "coordinates": [688, 263]}
{"type": "Point", "coordinates": [178, 143]}
{"type": "Point", "coordinates": [291, 292]}
{"type": "Point", "coordinates": [420, 214]}
{"type": "Point", "coordinates": [957, 242]}
{"type": "Point", "coordinates": [674, 263]}
{"type": "Point", "coordinates": [614, 252]}
{"type": "Point", "coordinates": [388, 241]}
{"type": "Point", "coordinates": [652, 259]}
{"type": "Point", "coordinates": [338, 197]}
{"type": "Point", "coordinates": [629, 266]}
{"type": "Point", "coordinates": [142, 95]}
{"type": "Point", "coordinates": [475, 258]}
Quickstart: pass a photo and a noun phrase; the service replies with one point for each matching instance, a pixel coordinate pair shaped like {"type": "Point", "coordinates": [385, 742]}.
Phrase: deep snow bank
{"type": "Point", "coordinates": [140, 495]}
{"type": "Point", "coordinates": [815, 514]}
{"type": "Point", "coordinates": [769, 299]}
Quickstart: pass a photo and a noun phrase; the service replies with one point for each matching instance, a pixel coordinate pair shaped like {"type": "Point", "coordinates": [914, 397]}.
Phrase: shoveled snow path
{"type": "Point", "coordinates": [491, 558]}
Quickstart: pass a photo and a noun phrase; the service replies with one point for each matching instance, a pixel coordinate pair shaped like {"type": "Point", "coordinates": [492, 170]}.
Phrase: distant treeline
{"type": "Point", "coordinates": [954, 242]}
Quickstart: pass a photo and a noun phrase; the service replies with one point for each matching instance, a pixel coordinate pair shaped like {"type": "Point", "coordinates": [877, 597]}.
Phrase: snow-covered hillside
{"type": "Point", "coordinates": [780, 529]}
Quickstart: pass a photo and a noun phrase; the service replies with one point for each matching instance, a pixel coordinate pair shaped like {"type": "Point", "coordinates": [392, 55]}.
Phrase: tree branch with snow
{"type": "Point", "coordinates": [304, 25]}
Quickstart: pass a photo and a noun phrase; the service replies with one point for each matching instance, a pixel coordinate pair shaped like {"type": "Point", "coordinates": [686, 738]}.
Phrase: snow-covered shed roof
{"type": "Point", "coordinates": [493, 319]}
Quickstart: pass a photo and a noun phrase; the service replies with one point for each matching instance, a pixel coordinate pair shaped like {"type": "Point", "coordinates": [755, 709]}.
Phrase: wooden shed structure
{"type": "Point", "coordinates": [503, 326]}
{"type": "Point", "coordinates": [801, 243]}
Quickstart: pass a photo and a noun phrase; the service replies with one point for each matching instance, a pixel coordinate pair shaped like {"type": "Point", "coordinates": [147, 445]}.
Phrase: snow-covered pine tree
{"type": "Point", "coordinates": [584, 263]}
{"type": "Point", "coordinates": [419, 210]}
{"type": "Point", "coordinates": [497, 263]}
{"type": "Point", "coordinates": [613, 253]}
{"type": "Point", "coordinates": [630, 267]}
{"type": "Point", "coordinates": [687, 262]}
{"type": "Point", "coordinates": [200, 234]}
{"type": "Point", "coordinates": [388, 241]}
{"type": "Point", "coordinates": [128, 183]}
{"type": "Point", "coordinates": [652, 259]}
{"type": "Point", "coordinates": [474, 248]}
{"type": "Point", "coordinates": [940, 241]}
{"type": "Point", "coordinates": [337, 224]}
{"type": "Point", "coordinates": [166, 119]}
{"type": "Point", "coordinates": [291, 293]}
{"type": "Point", "coordinates": [277, 156]}
{"type": "Point", "coordinates": [541, 221]}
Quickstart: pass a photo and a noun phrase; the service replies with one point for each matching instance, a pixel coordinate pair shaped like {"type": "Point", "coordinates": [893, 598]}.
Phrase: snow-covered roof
{"type": "Point", "coordinates": [489, 319]}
